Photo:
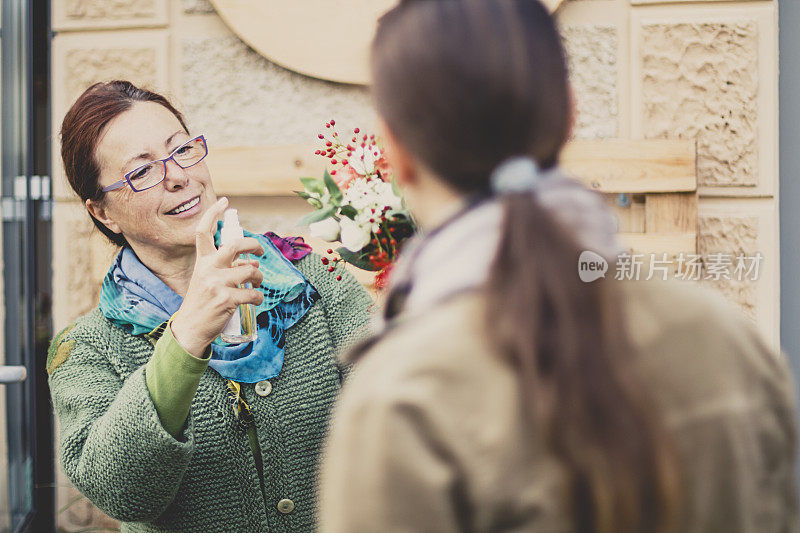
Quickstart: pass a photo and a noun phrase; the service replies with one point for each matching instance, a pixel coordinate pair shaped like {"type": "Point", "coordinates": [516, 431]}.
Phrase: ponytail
{"type": "Point", "coordinates": [568, 343]}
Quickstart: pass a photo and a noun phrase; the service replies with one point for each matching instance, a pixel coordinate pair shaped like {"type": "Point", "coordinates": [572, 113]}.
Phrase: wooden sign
{"type": "Point", "coordinates": [319, 38]}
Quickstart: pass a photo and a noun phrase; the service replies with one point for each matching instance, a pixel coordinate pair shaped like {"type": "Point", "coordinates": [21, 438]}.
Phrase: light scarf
{"type": "Point", "coordinates": [138, 301]}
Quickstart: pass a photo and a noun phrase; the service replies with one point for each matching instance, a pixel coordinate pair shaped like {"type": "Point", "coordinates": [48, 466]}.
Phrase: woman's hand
{"type": "Point", "coordinates": [214, 291]}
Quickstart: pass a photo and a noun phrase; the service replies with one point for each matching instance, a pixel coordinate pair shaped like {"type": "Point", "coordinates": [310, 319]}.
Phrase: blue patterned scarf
{"type": "Point", "coordinates": [135, 299]}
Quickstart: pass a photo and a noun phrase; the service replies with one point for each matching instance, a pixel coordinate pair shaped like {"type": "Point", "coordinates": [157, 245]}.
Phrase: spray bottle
{"type": "Point", "coordinates": [241, 327]}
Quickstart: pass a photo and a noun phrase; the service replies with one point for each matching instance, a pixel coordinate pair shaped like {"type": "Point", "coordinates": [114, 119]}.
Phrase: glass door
{"type": "Point", "coordinates": [27, 442]}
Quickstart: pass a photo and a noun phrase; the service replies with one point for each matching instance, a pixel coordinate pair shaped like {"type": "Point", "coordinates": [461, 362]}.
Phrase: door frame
{"type": "Point", "coordinates": [26, 209]}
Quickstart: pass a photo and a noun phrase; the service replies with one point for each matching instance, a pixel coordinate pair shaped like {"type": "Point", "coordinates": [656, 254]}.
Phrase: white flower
{"type": "Point", "coordinates": [363, 160]}
{"type": "Point", "coordinates": [327, 230]}
{"type": "Point", "coordinates": [360, 194]}
{"type": "Point", "coordinates": [386, 196]}
{"type": "Point", "coordinates": [354, 237]}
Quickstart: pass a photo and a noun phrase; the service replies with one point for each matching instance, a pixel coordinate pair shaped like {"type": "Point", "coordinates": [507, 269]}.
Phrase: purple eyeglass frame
{"type": "Point", "coordinates": [126, 180]}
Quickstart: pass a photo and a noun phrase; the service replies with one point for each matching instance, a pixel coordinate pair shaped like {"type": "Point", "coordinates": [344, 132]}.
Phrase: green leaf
{"type": "Point", "coordinates": [349, 211]}
{"type": "Point", "coordinates": [357, 259]}
{"type": "Point", "coordinates": [316, 216]}
{"type": "Point", "coordinates": [333, 188]}
{"type": "Point", "coordinates": [315, 203]}
{"type": "Point", "coordinates": [313, 185]}
{"type": "Point", "coordinates": [303, 194]}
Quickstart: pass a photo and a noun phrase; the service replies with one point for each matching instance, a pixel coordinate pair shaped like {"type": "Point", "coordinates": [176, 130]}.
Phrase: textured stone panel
{"type": "Point", "coordinates": [238, 98]}
{"type": "Point", "coordinates": [592, 57]}
{"type": "Point", "coordinates": [736, 236]}
{"type": "Point", "coordinates": [197, 6]}
{"type": "Point", "coordinates": [89, 65]}
{"type": "Point", "coordinates": [77, 276]}
{"type": "Point", "coordinates": [110, 9]}
{"type": "Point", "coordinates": [700, 81]}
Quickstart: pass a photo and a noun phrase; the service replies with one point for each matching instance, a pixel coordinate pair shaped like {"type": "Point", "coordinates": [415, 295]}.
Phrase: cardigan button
{"type": "Point", "coordinates": [263, 388]}
{"type": "Point", "coordinates": [286, 506]}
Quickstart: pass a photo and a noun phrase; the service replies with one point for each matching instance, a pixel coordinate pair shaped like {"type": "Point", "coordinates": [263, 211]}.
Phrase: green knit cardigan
{"type": "Point", "coordinates": [115, 451]}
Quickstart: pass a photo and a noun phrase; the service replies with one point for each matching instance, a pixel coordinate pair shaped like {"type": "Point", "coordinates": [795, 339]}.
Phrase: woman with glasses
{"type": "Point", "coordinates": [506, 393]}
{"type": "Point", "coordinates": [162, 425]}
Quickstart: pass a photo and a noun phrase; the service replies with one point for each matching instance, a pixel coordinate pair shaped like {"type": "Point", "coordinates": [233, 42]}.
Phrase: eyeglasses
{"type": "Point", "coordinates": [151, 174]}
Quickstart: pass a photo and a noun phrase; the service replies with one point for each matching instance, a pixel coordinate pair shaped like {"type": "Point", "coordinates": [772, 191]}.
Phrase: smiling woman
{"type": "Point", "coordinates": [129, 151]}
{"type": "Point", "coordinates": [143, 386]}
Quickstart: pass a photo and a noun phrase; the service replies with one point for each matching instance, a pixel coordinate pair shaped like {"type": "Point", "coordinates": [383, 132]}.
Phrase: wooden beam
{"type": "Point", "coordinates": [671, 212]}
{"type": "Point", "coordinates": [610, 166]}
{"type": "Point", "coordinates": [263, 170]}
{"type": "Point", "coordinates": [641, 166]}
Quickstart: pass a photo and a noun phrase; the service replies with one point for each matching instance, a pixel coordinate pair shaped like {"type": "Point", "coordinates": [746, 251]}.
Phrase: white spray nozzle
{"type": "Point", "coordinates": [231, 229]}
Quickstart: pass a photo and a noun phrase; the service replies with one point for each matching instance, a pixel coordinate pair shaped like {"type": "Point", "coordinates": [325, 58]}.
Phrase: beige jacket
{"type": "Point", "coordinates": [428, 434]}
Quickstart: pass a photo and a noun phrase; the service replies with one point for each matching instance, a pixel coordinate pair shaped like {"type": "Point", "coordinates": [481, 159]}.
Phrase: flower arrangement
{"type": "Point", "coordinates": [357, 203]}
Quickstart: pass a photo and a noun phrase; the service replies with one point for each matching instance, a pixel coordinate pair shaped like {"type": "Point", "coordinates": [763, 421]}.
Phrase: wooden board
{"type": "Point", "coordinates": [639, 166]}
{"type": "Point", "coordinates": [263, 170]}
{"type": "Point", "coordinates": [671, 212]}
{"type": "Point", "coordinates": [644, 166]}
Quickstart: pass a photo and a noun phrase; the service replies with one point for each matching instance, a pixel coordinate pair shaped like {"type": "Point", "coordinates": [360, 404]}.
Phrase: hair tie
{"type": "Point", "coordinates": [515, 175]}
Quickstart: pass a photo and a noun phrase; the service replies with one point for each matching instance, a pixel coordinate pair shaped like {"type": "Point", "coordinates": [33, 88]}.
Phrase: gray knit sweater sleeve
{"type": "Point", "coordinates": [112, 445]}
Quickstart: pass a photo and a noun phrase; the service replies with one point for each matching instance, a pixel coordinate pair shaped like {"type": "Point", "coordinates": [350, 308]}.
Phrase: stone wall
{"type": "Point", "coordinates": [652, 69]}
{"type": "Point", "coordinates": [640, 69]}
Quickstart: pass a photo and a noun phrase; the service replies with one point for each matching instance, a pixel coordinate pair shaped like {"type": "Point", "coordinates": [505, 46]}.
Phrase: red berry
{"type": "Point", "coordinates": [333, 122]}
{"type": "Point", "coordinates": [384, 241]}
{"type": "Point", "coordinates": [321, 136]}
{"type": "Point", "coordinates": [333, 173]}
{"type": "Point", "coordinates": [378, 231]}
{"type": "Point", "coordinates": [324, 260]}
{"type": "Point", "coordinates": [333, 161]}
{"type": "Point", "coordinates": [365, 137]}
{"type": "Point", "coordinates": [328, 143]}
{"type": "Point", "coordinates": [330, 251]}
{"type": "Point", "coordinates": [338, 278]}
{"type": "Point", "coordinates": [327, 125]}
{"type": "Point", "coordinates": [356, 130]}
{"type": "Point", "coordinates": [330, 269]}
{"type": "Point", "coordinates": [393, 242]}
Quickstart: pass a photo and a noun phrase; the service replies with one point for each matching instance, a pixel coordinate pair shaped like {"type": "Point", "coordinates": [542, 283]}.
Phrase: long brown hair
{"type": "Point", "coordinates": [81, 130]}
{"type": "Point", "coordinates": [466, 84]}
